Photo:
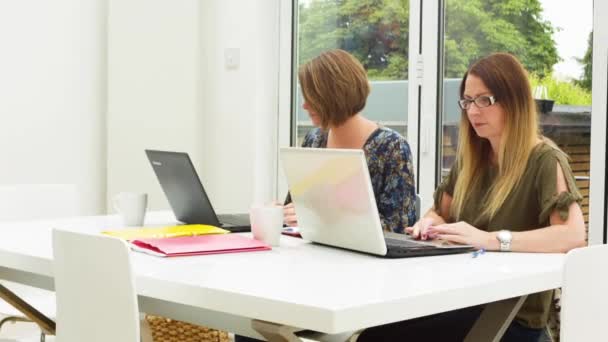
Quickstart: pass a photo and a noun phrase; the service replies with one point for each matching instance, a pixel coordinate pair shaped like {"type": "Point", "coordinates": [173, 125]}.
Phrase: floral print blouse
{"type": "Point", "coordinates": [389, 161]}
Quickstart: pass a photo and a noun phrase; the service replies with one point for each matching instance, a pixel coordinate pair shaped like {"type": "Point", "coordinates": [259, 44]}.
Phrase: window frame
{"type": "Point", "coordinates": [288, 13]}
{"type": "Point", "coordinates": [424, 121]}
{"type": "Point", "coordinates": [598, 211]}
{"type": "Point", "coordinates": [287, 91]}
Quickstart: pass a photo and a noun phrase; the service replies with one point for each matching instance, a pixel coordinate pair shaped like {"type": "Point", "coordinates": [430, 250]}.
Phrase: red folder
{"type": "Point", "coordinates": [198, 245]}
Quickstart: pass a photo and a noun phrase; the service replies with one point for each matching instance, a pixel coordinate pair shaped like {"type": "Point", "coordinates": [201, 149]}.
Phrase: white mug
{"type": "Point", "coordinates": [267, 223]}
{"type": "Point", "coordinates": [131, 207]}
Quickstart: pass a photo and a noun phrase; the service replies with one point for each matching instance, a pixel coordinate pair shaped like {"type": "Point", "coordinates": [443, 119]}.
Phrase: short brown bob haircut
{"type": "Point", "coordinates": [335, 86]}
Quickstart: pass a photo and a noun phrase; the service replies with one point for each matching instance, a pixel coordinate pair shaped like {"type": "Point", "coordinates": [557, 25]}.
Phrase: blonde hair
{"type": "Point", "coordinates": [508, 81]}
{"type": "Point", "coordinates": [335, 86]}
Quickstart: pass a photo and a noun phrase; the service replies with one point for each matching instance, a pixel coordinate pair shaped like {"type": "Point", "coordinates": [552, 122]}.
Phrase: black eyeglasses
{"type": "Point", "coordinates": [480, 101]}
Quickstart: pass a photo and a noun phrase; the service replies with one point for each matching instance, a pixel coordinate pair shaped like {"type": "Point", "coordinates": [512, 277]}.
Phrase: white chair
{"type": "Point", "coordinates": [95, 286]}
{"type": "Point", "coordinates": [584, 300]}
{"type": "Point", "coordinates": [29, 202]}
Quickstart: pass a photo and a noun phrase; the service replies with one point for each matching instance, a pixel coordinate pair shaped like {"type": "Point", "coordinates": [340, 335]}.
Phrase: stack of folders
{"type": "Point", "coordinates": [187, 240]}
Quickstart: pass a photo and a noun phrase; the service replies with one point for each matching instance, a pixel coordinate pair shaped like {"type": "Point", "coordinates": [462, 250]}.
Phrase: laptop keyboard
{"type": "Point", "coordinates": [234, 219]}
{"type": "Point", "coordinates": [411, 244]}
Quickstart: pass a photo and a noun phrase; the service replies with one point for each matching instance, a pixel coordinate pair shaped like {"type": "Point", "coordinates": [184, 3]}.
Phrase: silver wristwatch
{"type": "Point", "coordinates": [504, 237]}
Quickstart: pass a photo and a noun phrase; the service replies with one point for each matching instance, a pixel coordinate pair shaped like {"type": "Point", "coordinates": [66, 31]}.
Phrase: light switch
{"type": "Point", "coordinates": [232, 58]}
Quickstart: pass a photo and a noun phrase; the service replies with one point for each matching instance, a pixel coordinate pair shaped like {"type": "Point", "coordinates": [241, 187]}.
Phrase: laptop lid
{"type": "Point", "coordinates": [182, 186]}
{"type": "Point", "coordinates": [334, 199]}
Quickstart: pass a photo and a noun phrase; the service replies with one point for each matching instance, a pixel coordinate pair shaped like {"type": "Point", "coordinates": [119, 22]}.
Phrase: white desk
{"type": "Point", "coordinates": [297, 285]}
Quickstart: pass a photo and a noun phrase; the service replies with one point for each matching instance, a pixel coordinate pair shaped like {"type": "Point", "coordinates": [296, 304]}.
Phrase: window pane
{"type": "Point", "coordinates": [376, 33]}
{"type": "Point", "coordinates": [552, 41]}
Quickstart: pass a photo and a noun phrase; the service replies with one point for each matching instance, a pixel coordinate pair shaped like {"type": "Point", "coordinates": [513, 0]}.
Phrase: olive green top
{"type": "Point", "coordinates": [528, 206]}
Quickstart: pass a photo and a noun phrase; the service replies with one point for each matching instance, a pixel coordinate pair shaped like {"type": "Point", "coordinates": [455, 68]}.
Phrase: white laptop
{"type": "Point", "coordinates": [334, 200]}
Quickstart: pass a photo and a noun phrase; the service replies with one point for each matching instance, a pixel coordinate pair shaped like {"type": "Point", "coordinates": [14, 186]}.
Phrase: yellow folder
{"type": "Point", "coordinates": [165, 232]}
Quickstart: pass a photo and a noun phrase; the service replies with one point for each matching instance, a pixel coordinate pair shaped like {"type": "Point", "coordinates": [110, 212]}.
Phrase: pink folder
{"type": "Point", "coordinates": [198, 245]}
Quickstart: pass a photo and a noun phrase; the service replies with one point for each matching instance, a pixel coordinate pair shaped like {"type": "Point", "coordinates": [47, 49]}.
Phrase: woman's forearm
{"type": "Point", "coordinates": [559, 238]}
{"type": "Point", "coordinates": [432, 214]}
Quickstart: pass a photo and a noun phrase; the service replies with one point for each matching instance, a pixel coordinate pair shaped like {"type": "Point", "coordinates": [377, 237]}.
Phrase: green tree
{"type": "Point", "coordinates": [476, 28]}
{"type": "Point", "coordinates": [376, 32]}
{"type": "Point", "coordinates": [587, 62]}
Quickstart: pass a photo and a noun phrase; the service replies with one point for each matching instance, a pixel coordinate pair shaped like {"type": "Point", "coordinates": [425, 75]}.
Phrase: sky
{"type": "Point", "coordinates": [575, 19]}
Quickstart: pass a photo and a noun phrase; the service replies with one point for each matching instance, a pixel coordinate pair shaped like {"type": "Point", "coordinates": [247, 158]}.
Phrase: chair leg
{"type": "Point", "coordinates": [144, 330]}
{"type": "Point", "coordinates": [14, 319]}
{"type": "Point", "coordinates": [42, 336]}
{"type": "Point", "coordinates": [355, 336]}
{"type": "Point", "coordinates": [350, 336]}
{"type": "Point", "coordinates": [46, 324]}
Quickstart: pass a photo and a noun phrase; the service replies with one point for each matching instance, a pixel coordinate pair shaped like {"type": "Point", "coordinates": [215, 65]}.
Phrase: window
{"type": "Point", "coordinates": [376, 33]}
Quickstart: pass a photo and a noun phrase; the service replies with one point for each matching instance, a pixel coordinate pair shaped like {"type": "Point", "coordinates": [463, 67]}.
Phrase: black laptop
{"type": "Point", "coordinates": [186, 195]}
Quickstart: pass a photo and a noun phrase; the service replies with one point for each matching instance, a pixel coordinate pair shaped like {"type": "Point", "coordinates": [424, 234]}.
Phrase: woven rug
{"type": "Point", "coordinates": [168, 330]}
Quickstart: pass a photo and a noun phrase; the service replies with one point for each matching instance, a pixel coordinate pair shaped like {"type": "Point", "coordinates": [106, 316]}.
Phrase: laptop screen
{"type": "Point", "coordinates": [182, 186]}
{"type": "Point", "coordinates": [333, 197]}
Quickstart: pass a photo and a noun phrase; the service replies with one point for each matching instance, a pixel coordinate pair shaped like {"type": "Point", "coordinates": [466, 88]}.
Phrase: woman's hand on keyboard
{"type": "Point", "coordinates": [420, 230]}
{"type": "Point", "coordinates": [465, 234]}
{"type": "Point", "coordinates": [289, 215]}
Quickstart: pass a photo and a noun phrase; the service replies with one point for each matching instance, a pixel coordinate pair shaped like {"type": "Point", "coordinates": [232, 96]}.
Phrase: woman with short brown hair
{"type": "Point", "coordinates": [335, 89]}
{"type": "Point", "coordinates": [334, 86]}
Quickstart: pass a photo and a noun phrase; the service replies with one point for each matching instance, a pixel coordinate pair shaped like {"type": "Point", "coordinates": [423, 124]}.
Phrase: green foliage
{"type": "Point", "coordinates": [587, 62]}
{"type": "Point", "coordinates": [476, 28]}
{"type": "Point", "coordinates": [376, 32]}
{"type": "Point", "coordinates": [563, 92]}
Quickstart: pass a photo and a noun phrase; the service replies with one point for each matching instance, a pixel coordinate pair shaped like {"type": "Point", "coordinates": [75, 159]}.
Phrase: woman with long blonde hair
{"type": "Point", "coordinates": [511, 189]}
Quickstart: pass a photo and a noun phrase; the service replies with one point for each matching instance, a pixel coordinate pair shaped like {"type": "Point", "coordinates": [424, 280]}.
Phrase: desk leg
{"type": "Point", "coordinates": [494, 320]}
{"type": "Point", "coordinates": [275, 332]}
{"type": "Point", "coordinates": [46, 324]}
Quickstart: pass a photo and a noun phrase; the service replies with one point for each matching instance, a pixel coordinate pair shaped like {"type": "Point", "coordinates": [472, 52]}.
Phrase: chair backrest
{"type": "Point", "coordinates": [96, 294]}
{"type": "Point", "coordinates": [37, 201]}
{"type": "Point", "coordinates": [418, 200]}
{"type": "Point", "coordinates": [584, 301]}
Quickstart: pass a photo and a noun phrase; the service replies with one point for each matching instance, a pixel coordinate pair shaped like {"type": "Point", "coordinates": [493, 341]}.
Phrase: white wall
{"type": "Point", "coordinates": [52, 95]}
{"type": "Point", "coordinates": [240, 105]}
{"type": "Point", "coordinates": [169, 89]}
{"type": "Point", "coordinates": [153, 89]}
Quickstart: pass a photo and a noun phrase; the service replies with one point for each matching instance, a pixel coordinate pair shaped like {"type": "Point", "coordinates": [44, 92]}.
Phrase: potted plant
{"type": "Point", "coordinates": [543, 103]}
